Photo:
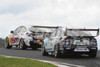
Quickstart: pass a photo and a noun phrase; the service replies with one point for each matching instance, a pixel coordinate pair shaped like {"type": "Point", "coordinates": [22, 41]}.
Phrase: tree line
{"type": "Point", "coordinates": [2, 43]}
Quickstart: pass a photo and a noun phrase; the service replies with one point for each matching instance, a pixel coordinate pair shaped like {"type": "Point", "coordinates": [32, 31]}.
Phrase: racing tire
{"type": "Point", "coordinates": [92, 55]}
{"type": "Point", "coordinates": [7, 44]}
{"type": "Point", "coordinates": [57, 52]}
{"type": "Point", "coordinates": [43, 51]}
{"type": "Point", "coordinates": [22, 45]}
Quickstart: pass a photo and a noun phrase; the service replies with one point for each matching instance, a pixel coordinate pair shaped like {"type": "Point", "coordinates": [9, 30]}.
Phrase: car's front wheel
{"type": "Point", "coordinates": [7, 44]}
{"type": "Point", "coordinates": [57, 51]}
{"type": "Point", "coordinates": [93, 55]}
{"type": "Point", "coordinates": [22, 45]}
{"type": "Point", "coordinates": [43, 51]}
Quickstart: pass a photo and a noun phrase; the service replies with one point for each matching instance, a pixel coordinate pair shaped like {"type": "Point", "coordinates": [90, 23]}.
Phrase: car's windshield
{"type": "Point", "coordinates": [78, 33]}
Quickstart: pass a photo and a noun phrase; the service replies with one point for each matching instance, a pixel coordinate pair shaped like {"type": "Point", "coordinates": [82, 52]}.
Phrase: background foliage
{"type": "Point", "coordinates": [2, 43]}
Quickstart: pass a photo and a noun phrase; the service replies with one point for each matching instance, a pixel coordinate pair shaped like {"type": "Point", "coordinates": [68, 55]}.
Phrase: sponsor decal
{"type": "Point", "coordinates": [45, 43]}
{"type": "Point", "coordinates": [9, 38]}
{"type": "Point", "coordinates": [51, 44]}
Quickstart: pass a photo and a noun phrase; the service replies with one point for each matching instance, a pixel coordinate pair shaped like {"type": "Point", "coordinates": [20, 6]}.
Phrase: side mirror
{"type": "Point", "coordinates": [12, 32]}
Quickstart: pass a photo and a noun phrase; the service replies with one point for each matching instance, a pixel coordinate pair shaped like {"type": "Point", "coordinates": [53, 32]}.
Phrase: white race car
{"type": "Point", "coordinates": [70, 41]}
{"type": "Point", "coordinates": [26, 36]}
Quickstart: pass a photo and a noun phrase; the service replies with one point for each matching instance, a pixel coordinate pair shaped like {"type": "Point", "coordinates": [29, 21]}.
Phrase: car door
{"type": "Point", "coordinates": [56, 39]}
{"type": "Point", "coordinates": [16, 36]}
{"type": "Point", "coordinates": [51, 40]}
{"type": "Point", "coordinates": [58, 36]}
{"type": "Point", "coordinates": [22, 32]}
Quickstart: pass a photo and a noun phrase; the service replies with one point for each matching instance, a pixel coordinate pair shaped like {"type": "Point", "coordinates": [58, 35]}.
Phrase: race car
{"type": "Point", "coordinates": [63, 41]}
{"type": "Point", "coordinates": [27, 37]}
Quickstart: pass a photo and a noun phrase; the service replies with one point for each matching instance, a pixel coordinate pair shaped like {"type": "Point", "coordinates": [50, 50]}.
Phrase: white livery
{"type": "Point", "coordinates": [70, 41]}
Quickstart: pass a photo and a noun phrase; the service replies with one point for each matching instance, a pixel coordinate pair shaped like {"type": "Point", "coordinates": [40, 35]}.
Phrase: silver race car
{"type": "Point", "coordinates": [71, 42]}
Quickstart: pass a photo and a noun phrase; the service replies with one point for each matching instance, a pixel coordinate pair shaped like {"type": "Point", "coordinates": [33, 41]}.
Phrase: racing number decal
{"type": "Point", "coordinates": [46, 43]}
{"type": "Point", "coordinates": [12, 40]}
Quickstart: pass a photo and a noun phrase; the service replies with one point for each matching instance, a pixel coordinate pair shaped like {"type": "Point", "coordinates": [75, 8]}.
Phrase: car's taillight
{"type": "Point", "coordinates": [94, 42]}
{"type": "Point", "coordinates": [36, 41]}
{"type": "Point", "coordinates": [68, 41]}
{"type": "Point", "coordinates": [71, 41]}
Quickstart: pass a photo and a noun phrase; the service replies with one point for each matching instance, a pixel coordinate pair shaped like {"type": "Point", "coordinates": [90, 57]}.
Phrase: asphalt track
{"type": "Point", "coordinates": [36, 54]}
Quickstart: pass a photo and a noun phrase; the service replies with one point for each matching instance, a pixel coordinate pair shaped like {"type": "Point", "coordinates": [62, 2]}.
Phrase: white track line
{"type": "Point", "coordinates": [59, 64]}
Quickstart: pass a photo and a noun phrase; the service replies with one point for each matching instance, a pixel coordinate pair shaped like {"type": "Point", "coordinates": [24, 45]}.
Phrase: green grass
{"type": "Point", "coordinates": [19, 62]}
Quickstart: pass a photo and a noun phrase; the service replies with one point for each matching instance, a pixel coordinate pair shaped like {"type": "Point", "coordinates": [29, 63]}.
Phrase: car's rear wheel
{"type": "Point", "coordinates": [7, 44]}
{"type": "Point", "coordinates": [22, 45]}
{"type": "Point", "coordinates": [93, 55]}
{"type": "Point", "coordinates": [43, 51]}
{"type": "Point", "coordinates": [57, 51]}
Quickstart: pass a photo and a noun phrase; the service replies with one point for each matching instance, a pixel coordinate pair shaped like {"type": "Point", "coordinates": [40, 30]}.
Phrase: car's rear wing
{"type": "Point", "coordinates": [47, 26]}
{"type": "Point", "coordinates": [43, 32]}
{"type": "Point", "coordinates": [85, 30]}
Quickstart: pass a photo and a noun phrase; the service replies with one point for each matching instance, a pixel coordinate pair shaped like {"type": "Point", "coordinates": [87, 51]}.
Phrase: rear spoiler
{"type": "Point", "coordinates": [43, 32]}
{"type": "Point", "coordinates": [85, 30]}
{"type": "Point", "coordinates": [47, 26]}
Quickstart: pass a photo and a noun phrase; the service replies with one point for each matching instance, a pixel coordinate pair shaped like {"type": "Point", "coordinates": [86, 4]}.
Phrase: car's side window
{"type": "Point", "coordinates": [23, 29]}
{"type": "Point", "coordinates": [53, 34]}
{"type": "Point", "coordinates": [59, 33]}
{"type": "Point", "coordinates": [17, 30]}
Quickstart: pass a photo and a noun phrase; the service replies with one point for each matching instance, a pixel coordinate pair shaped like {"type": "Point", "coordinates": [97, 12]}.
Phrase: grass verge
{"type": "Point", "coordinates": [20, 62]}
